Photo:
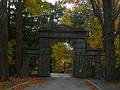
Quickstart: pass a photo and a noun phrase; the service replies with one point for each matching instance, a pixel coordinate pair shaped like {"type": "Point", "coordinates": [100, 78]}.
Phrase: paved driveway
{"type": "Point", "coordinates": [60, 82]}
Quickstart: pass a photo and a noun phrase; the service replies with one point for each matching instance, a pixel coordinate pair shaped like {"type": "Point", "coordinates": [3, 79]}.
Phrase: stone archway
{"type": "Point", "coordinates": [45, 38]}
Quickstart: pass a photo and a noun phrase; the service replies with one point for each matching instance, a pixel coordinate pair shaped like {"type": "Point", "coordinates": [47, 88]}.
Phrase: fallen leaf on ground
{"type": "Point", "coordinates": [91, 86]}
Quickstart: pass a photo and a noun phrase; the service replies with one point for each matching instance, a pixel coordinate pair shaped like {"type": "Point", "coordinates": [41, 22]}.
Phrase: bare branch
{"type": "Point", "coordinates": [115, 3]}
{"type": "Point", "coordinates": [116, 11]}
{"type": "Point", "coordinates": [118, 32]}
{"type": "Point", "coordinates": [97, 12]}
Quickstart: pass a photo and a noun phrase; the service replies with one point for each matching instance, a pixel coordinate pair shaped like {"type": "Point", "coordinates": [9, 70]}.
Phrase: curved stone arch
{"type": "Point", "coordinates": [63, 33]}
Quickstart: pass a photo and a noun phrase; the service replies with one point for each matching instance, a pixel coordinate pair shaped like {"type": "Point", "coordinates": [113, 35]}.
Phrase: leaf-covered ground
{"type": "Point", "coordinates": [19, 83]}
{"type": "Point", "coordinates": [5, 85]}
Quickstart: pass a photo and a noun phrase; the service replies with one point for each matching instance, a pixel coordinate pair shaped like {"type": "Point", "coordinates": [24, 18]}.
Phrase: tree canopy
{"type": "Point", "coordinates": [62, 55]}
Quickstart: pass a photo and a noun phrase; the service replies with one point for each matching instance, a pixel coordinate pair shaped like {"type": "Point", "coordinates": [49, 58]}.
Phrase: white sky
{"type": "Point", "coordinates": [52, 1]}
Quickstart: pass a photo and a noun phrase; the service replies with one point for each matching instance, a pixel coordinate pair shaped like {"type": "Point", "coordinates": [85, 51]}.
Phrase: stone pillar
{"type": "Point", "coordinates": [79, 59]}
{"type": "Point", "coordinates": [44, 61]}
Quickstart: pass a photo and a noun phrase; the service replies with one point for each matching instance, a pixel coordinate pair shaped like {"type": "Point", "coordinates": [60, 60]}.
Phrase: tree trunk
{"type": "Point", "coordinates": [108, 38]}
{"type": "Point", "coordinates": [19, 27]}
{"type": "Point", "coordinates": [64, 67]}
{"type": "Point", "coordinates": [4, 66]}
{"type": "Point", "coordinates": [110, 58]}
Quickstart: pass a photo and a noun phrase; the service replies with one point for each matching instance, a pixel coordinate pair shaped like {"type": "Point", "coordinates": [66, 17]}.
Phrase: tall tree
{"type": "Point", "coordinates": [4, 73]}
{"type": "Point", "coordinates": [107, 12]}
{"type": "Point", "coordinates": [19, 27]}
{"type": "Point", "coordinates": [108, 37]}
